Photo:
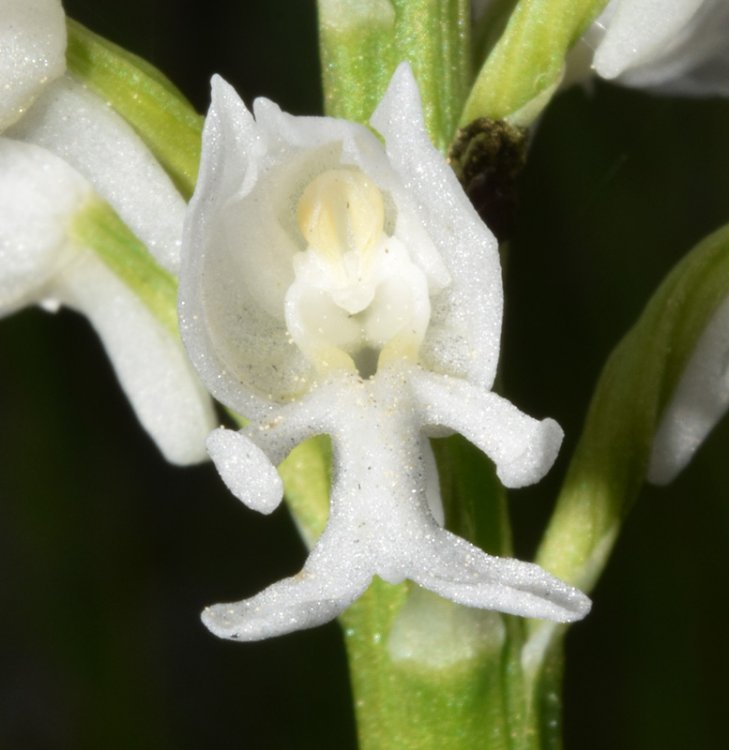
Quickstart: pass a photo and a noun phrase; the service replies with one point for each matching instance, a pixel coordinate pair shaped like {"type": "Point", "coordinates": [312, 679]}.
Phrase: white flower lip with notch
{"type": "Point", "coordinates": [330, 285]}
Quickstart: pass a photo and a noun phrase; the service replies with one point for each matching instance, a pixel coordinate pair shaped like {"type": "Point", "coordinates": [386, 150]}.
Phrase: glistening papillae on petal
{"type": "Point", "coordinates": [379, 522]}
{"type": "Point", "coordinates": [32, 53]}
{"type": "Point", "coordinates": [330, 286]}
{"type": "Point", "coordinates": [78, 126]}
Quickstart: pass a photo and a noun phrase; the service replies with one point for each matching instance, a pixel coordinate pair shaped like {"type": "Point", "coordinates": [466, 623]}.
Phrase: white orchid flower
{"type": "Point", "coordinates": [330, 285]}
{"type": "Point", "coordinates": [679, 47]}
{"type": "Point", "coordinates": [44, 106]}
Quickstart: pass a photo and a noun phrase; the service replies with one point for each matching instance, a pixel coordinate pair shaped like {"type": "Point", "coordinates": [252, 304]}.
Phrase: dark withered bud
{"type": "Point", "coordinates": [487, 157]}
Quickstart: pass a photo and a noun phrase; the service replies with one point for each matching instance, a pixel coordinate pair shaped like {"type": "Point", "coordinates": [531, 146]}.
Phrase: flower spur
{"type": "Point", "coordinates": [330, 285]}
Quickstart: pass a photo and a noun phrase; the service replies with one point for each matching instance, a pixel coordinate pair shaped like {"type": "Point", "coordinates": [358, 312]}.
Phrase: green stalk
{"type": "Point", "coordinates": [525, 66]}
{"type": "Point", "coordinates": [361, 44]}
{"type": "Point", "coordinates": [427, 673]}
{"type": "Point", "coordinates": [148, 101]}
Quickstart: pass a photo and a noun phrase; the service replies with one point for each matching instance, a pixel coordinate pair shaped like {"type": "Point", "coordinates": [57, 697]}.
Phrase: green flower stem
{"type": "Point", "coordinates": [525, 66]}
{"type": "Point", "coordinates": [362, 43]}
{"type": "Point", "coordinates": [164, 119]}
{"type": "Point", "coordinates": [427, 673]}
{"type": "Point", "coordinates": [609, 464]}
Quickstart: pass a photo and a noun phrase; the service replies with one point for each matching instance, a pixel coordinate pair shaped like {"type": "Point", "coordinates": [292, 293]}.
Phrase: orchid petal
{"type": "Point", "coordinates": [522, 448]}
{"type": "Point", "coordinates": [464, 574]}
{"type": "Point", "coordinates": [246, 470]}
{"type": "Point", "coordinates": [466, 322]}
{"type": "Point", "coordinates": [79, 127]}
{"type": "Point", "coordinates": [227, 330]}
{"type": "Point", "coordinates": [638, 31]}
{"type": "Point", "coordinates": [33, 44]}
{"type": "Point", "coordinates": [152, 367]}
{"type": "Point", "coordinates": [677, 48]}
{"type": "Point", "coordinates": [313, 597]}
{"type": "Point", "coordinates": [40, 196]}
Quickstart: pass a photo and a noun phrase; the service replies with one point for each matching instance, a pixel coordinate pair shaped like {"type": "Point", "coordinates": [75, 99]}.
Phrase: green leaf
{"type": "Point", "coordinates": [525, 66]}
{"type": "Point", "coordinates": [362, 43]}
{"type": "Point", "coordinates": [610, 461]}
{"type": "Point", "coordinates": [164, 119]}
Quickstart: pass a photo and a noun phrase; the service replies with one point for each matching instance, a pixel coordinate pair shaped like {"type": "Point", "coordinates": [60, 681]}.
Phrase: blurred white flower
{"type": "Point", "coordinates": [679, 47]}
{"type": "Point", "coordinates": [700, 400]}
{"type": "Point", "coordinates": [330, 285]}
{"type": "Point", "coordinates": [42, 194]}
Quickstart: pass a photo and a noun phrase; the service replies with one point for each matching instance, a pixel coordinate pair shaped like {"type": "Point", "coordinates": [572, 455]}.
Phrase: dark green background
{"type": "Point", "coordinates": [108, 554]}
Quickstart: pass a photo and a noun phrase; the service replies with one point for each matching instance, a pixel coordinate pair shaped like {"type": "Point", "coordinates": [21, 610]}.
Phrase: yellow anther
{"type": "Point", "coordinates": [341, 211]}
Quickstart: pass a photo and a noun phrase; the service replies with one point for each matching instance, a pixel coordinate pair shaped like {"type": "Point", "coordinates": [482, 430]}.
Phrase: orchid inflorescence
{"type": "Point", "coordinates": [329, 284]}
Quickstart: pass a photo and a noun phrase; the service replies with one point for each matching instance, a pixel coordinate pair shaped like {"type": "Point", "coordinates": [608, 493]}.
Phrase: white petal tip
{"type": "Point", "coordinates": [220, 620]}
{"type": "Point", "coordinates": [238, 622]}
{"type": "Point", "coordinates": [536, 460]}
{"type": "Point", "coordinates": [573, 605]}
{"type": "Point", "coordinates": [545, 598]}
{"type": "Point", "coordinates": [246, 470]}
{"type": "Point", "coordinates": [278, 610]}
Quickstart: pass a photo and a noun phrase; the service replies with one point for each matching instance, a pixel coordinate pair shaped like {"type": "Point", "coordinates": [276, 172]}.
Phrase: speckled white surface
{"type": "Point", "coordinates": [246, 470]}
{"type": "Point", "coordinates": [244, 252]}
{"type": "Point", "coordinates": [380, 522]}
{"type": "Point", "coordinates": [38, 195]}
{"type": "Point", "coordinates": [78, 126]}
{"type": "Point", "coordinates": [32, 53]}
{"type": "Point", "coordinates": [253, 172]}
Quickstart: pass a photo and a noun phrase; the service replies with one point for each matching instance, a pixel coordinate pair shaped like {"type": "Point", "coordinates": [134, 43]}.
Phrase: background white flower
{"type": "Point", "coordinates": [679, 47]}
{"type": "Point", "coordinates": [699, 401]}
{"type": "Point", "coordinates": [42, 195]}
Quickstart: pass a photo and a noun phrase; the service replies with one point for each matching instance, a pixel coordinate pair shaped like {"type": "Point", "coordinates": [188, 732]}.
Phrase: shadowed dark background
{"type": "Point", "coordinates": [108, 554]}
